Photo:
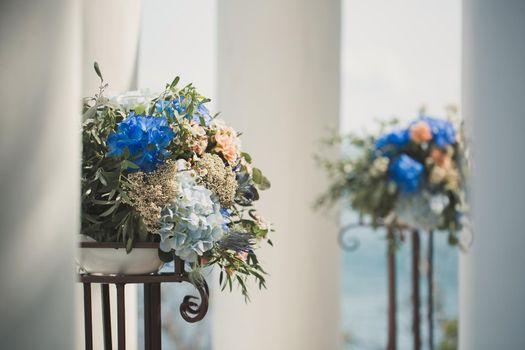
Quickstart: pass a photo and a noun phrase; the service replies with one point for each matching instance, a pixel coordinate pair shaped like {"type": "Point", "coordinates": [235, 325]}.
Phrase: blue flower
{"type": "Point", "coordinates": [443, 132]}
{"type": "Point", "coordinates": [393, 140]}
{"type": "Point", "coordinates": [226, 215]}
{"type": "Point", "coordinates": [406, 173]}
{"type": "Point", "coordinates": [178, 105]}
{"type": "Point", "coordinates": [146, 139]}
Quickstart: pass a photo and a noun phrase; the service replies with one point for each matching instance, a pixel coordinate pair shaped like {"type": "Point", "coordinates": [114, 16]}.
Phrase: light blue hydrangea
{"type": "Point", "coordinates": [421, 210]}
{"type": "Point", "coordinates": [193, 222]}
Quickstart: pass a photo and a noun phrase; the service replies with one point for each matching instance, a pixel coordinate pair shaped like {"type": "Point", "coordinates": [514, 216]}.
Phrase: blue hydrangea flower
{"type": "Point", "coordinates": [178, 105]}
{"type": "Point", "coordinates": [226, 215]}
{"type": "Point", "coordinates": [406, 173]}
{"type": "Point", "coordinates": [443, 132]}
{"type": "Point", "coordinates": [394, 140]}
{"type": "Point", "coordinates": [146, 139]}
{"type": "Point", "coordinates": [193, 222]}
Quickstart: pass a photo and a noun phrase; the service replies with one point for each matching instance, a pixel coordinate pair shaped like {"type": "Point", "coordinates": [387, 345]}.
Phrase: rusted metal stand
{"type": "Point", "coordinates": [416, 297]}
{"type": "Point", "coordinates": [192, 308]}
{"type": "Point", "coordinates": [392, 303]}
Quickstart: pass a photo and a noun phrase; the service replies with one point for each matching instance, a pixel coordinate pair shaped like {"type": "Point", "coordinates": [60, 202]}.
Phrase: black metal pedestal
{"type": "Point", "coordinates": [192, 308]}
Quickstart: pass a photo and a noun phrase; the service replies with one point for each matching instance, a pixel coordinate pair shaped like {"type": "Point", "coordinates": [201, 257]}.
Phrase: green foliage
{"type": "Point", "coordinates": [450, 335]}
{"type": "Point", "coordinates": [106, 213]}
{"type": "Point", "coordinates": [353, 178]}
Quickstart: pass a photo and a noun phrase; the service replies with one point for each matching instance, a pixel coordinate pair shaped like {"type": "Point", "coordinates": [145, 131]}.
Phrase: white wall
{"type": "Point", "coordinates": [39, 172]}
{"type": "Point", "coordinates": [278, 83]}
{"type": "Point", "coordinates": [492, 282]}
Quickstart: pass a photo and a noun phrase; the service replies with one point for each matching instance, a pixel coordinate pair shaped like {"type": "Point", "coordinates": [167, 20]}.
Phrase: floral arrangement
{"type": "Point", "coordinates": [164, 169]}
{"type": "Point", "coordinates": [408, 177]}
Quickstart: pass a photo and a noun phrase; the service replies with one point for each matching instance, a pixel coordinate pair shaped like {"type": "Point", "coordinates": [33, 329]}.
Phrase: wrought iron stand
{"type": "Point", "coordinates": [393, 232]}
{"type": "Point", "coordinates": [191, 309]}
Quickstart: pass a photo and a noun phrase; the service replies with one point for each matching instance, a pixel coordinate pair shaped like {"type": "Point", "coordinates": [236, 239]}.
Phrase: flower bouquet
{"type": "Point", "coordinates": [165, 170]}
{"type": "Point", "coordinates": [407, 177]}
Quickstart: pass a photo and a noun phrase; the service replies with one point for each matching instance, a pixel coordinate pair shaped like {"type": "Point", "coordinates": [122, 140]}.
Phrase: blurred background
{"type": "Point", "coordinates": [284, 73]}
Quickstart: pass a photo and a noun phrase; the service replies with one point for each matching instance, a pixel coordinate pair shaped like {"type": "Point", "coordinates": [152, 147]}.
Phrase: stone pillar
{"type": "Point", "coordinates": [39, 172]}
{"type": "Point", "coordinates": [492, 282]}
{"type": "Point", "coordinates": [110, 36]}
{"type": "Point", "coordinates": [278, 83]}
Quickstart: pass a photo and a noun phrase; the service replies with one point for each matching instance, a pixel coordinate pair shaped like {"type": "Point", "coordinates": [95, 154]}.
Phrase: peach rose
{"type": "Point", "coordinates": [420, 132]}
{"type": "Point", "coordinates": [226, 145]}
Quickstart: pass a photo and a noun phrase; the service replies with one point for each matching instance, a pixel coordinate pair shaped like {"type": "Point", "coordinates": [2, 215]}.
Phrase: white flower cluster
{"type": "Point", "coordinates": [421, 210]}
{"type": "Point", "coordinates": [130, 99]}
{"type": "Point", "coordinates": [193, 222]}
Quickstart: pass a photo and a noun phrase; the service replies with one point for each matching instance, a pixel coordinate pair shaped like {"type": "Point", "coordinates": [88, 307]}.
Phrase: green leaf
{"type": "Point", "coordinates": [126, 164]}
{"type": "Point", "coordinates": [139, 109]}
{"type": "Point", "coordinates": [129, 245]}
{"type": "Point", "coordinates": [97, 70]}
{"type": "Point", "coordinates": [174, 82]}
{"type": "Point", "coordinates": [265, 184]}
{"type": "Point", "coordinates": [90, 113]}
{"type": "Point", "coordinates": [247, 157]}
{"type": "Point", "coordinates": [101, 177]}
{"type": "Point", "coordinates": [257, 175]}
{"type": "Point", "coordinates": [110, 210]}
{"type": "Point", "coordinates": [260, 180]}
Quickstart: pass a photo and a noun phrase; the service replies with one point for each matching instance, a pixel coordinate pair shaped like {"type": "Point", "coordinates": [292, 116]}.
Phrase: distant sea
{"type": "Point", "coordinates": [364, 290]}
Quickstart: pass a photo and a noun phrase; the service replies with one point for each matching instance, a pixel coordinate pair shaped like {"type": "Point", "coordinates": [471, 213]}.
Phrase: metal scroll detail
{"type": "Point", "coordinates": [346, 240]}
{"type": "Point", "coordinates": [193, 309]}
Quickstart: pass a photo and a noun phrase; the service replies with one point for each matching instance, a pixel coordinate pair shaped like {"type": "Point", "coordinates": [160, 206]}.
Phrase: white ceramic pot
{"type": "Point", "coordinates": [112, 259]}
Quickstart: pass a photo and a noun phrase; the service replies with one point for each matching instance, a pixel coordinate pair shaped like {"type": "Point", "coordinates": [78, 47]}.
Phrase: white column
{"type": "Point", "coordinates": [39, 172]}
{"type": "Point", "coordinates": [278, 83]}
{"type": "Point", "coordinates": [111, 37]}
{"type": "Point", "coordinates": [492, 282]}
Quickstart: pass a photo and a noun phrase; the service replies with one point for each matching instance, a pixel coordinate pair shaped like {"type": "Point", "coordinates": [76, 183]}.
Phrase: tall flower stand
{"type": "Point", "coordinates": [394, 233]}
{"type": "Point", "coordinates": [192, 309]}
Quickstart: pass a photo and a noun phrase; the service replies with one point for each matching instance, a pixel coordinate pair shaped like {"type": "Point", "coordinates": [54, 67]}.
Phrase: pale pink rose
{"type": "Point", "coordinates": [420, 132]}
{"type": "Point", "coordinates": [200, 146]}
{"type": "Point", "coordinates": [201, 140]}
